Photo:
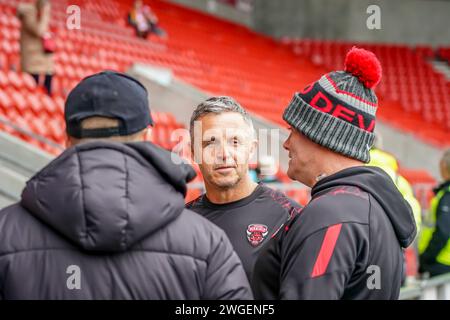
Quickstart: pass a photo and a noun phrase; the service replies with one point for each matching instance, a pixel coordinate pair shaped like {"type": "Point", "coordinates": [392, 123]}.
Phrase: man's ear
{"type": "Point", "coordinates": [252, 159]}
{"type": "Point", "coordinates": [69, 141]}
{"type": "Point", "coordinates": [147, 134]}
{"type": "Point", "coordinates": [254, 147]}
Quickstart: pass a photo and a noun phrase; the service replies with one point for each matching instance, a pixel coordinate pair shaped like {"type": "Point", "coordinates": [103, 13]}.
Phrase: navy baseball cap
{"type": "Point", "coordinates": [107, 94]}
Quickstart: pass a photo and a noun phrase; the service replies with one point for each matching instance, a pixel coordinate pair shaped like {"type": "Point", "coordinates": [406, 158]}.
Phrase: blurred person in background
{"type": "Point", "coordinates": [387, 162]}
{"type": "Point", "coordinates": [144, 20]}
{"type": "Point", "coordinates": [111, 207]}
{"type": "Point", "coordinates": [434, 243]}
{"type": "Point", "coordinates": [223, 142]}
{"type": "Point", "coordinates": [36, 43]}
{"type": "Point", "coordinates": [266, 170]}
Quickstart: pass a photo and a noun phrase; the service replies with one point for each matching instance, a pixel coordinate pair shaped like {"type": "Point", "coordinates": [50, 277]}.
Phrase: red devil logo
{"type": "Point", "coordinates": [256, 233]}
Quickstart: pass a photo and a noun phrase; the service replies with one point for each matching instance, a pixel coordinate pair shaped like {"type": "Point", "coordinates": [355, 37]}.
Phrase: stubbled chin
{"type": "Point", "coordinates": [290, 171]}
{"type": "Point", "coordinates": [290, 175]}
{"type": "Point", "coordinates": [226, 183]}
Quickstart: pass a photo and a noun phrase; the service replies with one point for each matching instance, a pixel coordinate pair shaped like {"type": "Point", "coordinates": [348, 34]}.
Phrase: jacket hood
{"type": "Point", "coordinates": [106, 196]}
{"type": "Point", "coordinates": [375, 181]}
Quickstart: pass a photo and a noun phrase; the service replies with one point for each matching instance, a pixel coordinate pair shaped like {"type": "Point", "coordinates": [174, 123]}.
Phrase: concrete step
{"type": "Point", "coordinates": [20, 156]}
{"type": "Point", "coordinates": [11, 183]}
{"type": "Point", "coordinates": [5, 201]}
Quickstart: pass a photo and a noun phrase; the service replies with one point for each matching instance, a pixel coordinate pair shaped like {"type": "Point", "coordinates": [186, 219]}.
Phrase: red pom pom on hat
{"type": "Point", "coordinates": [364, 65]}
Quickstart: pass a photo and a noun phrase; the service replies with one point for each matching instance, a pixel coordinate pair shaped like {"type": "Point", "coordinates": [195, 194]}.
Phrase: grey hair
{"type": "Point", "coordinates": [219, 105]}
{"type": "Point", "coordinates": [446, 160]}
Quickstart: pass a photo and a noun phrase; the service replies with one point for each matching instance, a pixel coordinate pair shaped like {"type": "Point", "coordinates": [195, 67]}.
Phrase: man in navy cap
{"type": "Point", "coordinates": [106, 219]}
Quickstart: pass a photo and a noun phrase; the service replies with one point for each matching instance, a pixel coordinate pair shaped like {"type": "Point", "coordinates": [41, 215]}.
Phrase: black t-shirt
{"type": "Point", "coordinates": [248, 222]}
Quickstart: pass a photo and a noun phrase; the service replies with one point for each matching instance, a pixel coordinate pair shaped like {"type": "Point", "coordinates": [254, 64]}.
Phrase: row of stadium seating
{"type": "Point", "coordinates": [226, 59]}
{"type": "Point", "coordinates": [232, 60]}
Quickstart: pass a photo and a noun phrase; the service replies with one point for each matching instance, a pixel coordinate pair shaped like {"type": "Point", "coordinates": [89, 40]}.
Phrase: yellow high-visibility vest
{"type": "Point", "coordinates": [430, 226]}
{"type": "Point", "coordinates": [388, 163]}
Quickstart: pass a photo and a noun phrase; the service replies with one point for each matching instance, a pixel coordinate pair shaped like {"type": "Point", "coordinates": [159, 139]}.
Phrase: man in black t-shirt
{"type": "Point", "coordinates": [223, 141]}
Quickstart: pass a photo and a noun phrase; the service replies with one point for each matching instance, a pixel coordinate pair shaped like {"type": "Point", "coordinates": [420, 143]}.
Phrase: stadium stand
{"type": "Point", "coordinates": [218, 58]}
{"type": "Point", "coordinates": [410, 85]}
{"type": "Point", "coordinates": [105, 43]}
{"type": "Point", "coordinates": [229, 59]}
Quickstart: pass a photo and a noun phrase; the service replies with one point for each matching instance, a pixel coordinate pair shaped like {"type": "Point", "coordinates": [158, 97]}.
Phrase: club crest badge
{"type": "Point", "coordinates": [256, 233]}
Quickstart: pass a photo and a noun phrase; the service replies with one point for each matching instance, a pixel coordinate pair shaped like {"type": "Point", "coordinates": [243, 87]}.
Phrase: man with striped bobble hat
{"type": "Point", "coordinates": [347, 242]}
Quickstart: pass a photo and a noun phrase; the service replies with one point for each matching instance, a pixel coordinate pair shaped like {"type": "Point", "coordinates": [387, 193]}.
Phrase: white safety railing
{"type": "Point", "coordinates": [436, 288]}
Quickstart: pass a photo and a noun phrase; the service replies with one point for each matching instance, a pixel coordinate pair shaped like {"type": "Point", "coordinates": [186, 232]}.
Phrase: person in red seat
{"type": "Point", "coordinates": [36, 44]}
{"type": "Point", "coordinates": [144, 20]}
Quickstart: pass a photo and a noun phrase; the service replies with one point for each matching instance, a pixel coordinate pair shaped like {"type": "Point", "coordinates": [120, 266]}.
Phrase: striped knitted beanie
{"type": "Point", "coordinates": [338, 111]}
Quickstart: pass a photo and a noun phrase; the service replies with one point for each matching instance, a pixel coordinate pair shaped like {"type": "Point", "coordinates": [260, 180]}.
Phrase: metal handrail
{"type": "Point", "coordinates": [417, 290]}
{"type": "Point", "coordinates": [30, 134]}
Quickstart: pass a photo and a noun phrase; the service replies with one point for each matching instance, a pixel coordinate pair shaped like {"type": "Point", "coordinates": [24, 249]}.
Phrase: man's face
{"type": "Point", "coordinates": [302, 153]}
{"type": "Point", "coordinates": [227, 144]}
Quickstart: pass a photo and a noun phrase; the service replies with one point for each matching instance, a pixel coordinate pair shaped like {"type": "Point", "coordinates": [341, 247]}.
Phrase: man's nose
{"type": "Point", "coordinates": [223, 152]}
{"type": "Point", "coordinates": [286, 144]}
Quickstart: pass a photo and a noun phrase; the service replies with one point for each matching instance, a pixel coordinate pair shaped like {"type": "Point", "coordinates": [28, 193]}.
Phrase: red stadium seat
{"type": "Point", "coordinates": [59, 101]}
{"type": "Point", "coordinates": [40, 126]}
{"type": "Point", "coordinates": [56, 127]}
{"type": "Point", "coordinates": [19, 101]}
{"type": "Point", "coordinates": [15, 80]}
{"type": "Point", "coordinates": [28, 82]}
{"type": "Point", "coordinates": [4, 66]}
{"type": "Point", "coordinates": [35, 104]}
{"type": "Point", "coordinates": [4, 80]}
{"type": "Point", "coordinates": [5, 101]}
{"type": "Point", "coordinates": [49, 105]}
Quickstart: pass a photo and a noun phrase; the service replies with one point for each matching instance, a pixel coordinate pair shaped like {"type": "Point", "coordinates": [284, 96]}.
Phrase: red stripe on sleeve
{"type": "Point", "coordinates": [326, 251]}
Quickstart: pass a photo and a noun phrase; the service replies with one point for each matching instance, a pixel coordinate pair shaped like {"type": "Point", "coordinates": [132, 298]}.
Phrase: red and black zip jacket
{"type": "Point", "coordinates": [345, 244]}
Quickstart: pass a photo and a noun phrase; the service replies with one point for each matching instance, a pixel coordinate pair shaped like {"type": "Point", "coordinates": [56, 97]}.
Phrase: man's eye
{"type": "Point", "coordinates": [236, 141]}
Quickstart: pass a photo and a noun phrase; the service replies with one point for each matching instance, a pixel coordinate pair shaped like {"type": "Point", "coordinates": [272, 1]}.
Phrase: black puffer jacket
{"type": "Point", "coordinates": [107, 221]}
